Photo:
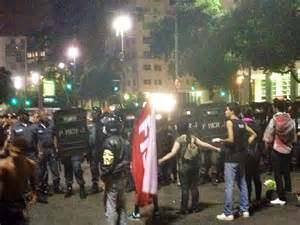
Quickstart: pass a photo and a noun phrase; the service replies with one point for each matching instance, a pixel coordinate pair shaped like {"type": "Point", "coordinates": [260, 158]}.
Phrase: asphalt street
{"type": "Point", "coordinates": [74, 211]}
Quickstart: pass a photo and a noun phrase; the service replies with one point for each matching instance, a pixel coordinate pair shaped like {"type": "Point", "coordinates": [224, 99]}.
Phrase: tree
{"type": "Point", "coordinates": [6, 85]}
{"type": "Point", "coordinates": [265, 34]}
{"type": "Point", "coordinates": [202, 52]}
{"type": "Point", "coordinates": [99, 83]}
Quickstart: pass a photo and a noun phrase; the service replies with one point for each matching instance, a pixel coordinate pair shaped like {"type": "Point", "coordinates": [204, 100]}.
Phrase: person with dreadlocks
{"type": "Point", "coordinates": [187, 146]}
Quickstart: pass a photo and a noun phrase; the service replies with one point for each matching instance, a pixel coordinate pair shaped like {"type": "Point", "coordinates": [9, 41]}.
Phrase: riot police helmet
{"type": "Point", "coordinates": [112, 123]}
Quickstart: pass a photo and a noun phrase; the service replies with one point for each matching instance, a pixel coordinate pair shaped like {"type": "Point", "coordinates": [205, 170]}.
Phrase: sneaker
{"type": "Point", "coordinates": [277, 201]}
{"type": "Point", "coordinates": [134, 217]}
{"type": "Point", "coordinates": [224, 217]}
{"type": "Point", "coordinates": [245, 214]}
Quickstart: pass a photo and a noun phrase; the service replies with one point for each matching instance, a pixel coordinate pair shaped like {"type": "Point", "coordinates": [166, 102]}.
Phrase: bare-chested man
{"type": "Point", "coordinates": [15, 171]}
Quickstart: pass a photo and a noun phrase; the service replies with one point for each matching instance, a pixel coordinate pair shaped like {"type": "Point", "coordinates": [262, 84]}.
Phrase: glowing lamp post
{"type": "Point", "coordinates": [121, 25]}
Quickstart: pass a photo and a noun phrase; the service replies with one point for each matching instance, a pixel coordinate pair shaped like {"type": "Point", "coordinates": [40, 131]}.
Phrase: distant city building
{"type": "Point", "coordinates": [142, 72]}
{"type": "Point", "coordinates": [13, 52]}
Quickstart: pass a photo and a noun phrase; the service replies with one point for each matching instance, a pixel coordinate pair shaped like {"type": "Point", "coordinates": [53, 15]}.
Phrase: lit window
{"type": "Point", "coordinates": [43, 53]}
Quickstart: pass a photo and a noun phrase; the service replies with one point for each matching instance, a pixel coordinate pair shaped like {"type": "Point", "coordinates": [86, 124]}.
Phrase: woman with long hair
{"type": "Point", "coordinates": [188, 147]}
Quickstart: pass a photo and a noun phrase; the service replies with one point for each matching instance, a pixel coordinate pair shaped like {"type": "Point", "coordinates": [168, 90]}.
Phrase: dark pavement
{"type": "Point", "coordinates": [90, 211]}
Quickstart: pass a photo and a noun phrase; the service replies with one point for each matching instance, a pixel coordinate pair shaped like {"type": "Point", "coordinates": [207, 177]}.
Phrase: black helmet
{"type": "Point", "coordinates": [112, 123]}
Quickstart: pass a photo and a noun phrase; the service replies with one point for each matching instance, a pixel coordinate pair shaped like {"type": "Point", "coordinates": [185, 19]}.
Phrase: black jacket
{"type": "Point", "coordinates": [114, 157]}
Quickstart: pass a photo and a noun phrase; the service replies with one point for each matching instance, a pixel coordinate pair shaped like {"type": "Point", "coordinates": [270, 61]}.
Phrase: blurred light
{"type": "Point", "coordinates": [222, 93]}
{"type": "Point", "coordinates": [69, 86]}
{"type": "Point", "coordinates": [147, 95]}
{"type": "Point", "coordinates": [61, 65]}
{"type": "Point", "coordinates": [198, 93]}
{"type": "Point", "coordinates": [14, 101]}
{"type": "Point", "coordinates": [116, 88]}
{"type": "Point", "coordinates": [35, 77]}
{"type": "Point", "coordinates": [193, 88]}
{"type": "Point", "coordinates": [18, 82]}
{"type": "Point", "coordinates": [163, 102]}
{"type": "Point", "coordinates": [28, 102]}
{"type": "Point", "coordinates": [136, 104]}
{"type": "Point", "coordinates": [275, 76]}
{"type": "Point", "coordinates": [48, 100]}
{"type": "Point", "coordinates": [188, 113]}
{"type": "Point", "coordinates": [126, 97]}
{"type": "Point", "coordinates": [73, 52]}
{"type": "Point", "coordinates": [112, 108]}
{"type": "Point", "coordinates": [239, 80]}
{"type": "Point", "coordinates": [122, 24]}
{"type": "Point", "coordinates": [158, 116]}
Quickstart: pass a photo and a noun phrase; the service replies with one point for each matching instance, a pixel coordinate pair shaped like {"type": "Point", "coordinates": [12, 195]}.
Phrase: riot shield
{"type": "Point", "coordinates": [71, 131]}
{"type": "Point", "coordinates": [211, 121]}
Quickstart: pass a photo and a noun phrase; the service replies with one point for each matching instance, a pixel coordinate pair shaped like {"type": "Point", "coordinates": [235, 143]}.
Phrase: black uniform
{"type": "Point", "coordinates": [45, 136]}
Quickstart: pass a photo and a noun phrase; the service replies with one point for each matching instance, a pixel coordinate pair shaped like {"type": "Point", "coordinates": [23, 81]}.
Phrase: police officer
{"type": "Point", "coordinates": [72, 165]}
{"type": "Point", "coordinates": [96, 140]}
{"type": "Point", "coordinates": [27, 131]}
{"type": "Point", "coordinates": [47, 149]}
{"type": "Point", "coordinates": [114, 164]}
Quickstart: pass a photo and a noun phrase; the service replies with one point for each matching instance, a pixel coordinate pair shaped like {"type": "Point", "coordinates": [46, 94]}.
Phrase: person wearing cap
{"type": "Point", "coordinates": [48, 151]}
{"type": "Point", "coordinates": [27, 131]}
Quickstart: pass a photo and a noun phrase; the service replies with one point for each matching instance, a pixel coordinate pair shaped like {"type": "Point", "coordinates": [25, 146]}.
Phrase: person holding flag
{"type": "Point", "coordinates": [144, 160]}
{"type": "Point", "coordinates": [188, 147]}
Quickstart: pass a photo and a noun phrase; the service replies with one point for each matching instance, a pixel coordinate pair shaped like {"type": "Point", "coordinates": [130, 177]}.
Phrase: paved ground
{"type": "Point", "coordinates": [74, 211]}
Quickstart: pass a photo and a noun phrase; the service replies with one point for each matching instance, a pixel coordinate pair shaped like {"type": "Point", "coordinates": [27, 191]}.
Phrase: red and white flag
{"type": "Point", "coordinates": [144, 156]}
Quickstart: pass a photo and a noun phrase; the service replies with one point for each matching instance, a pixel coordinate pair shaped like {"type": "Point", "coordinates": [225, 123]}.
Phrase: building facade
{"type": "Point", "coordinates": [264, 87]}
{"type": "Point", "coordinates": [13, 54]}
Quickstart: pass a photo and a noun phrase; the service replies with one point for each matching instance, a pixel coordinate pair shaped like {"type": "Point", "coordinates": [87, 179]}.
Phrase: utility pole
{"type": "Point", "coordinates": [176, 46]}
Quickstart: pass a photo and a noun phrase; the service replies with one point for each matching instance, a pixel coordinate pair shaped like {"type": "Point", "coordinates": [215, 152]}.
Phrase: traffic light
{"type": "Point", "coordinates": [222, 93]}
{"type": "Point", "coordinates": [14, 101]}
{"type": "Point", "coordinates": [69, 86]}
{"type": "Point", "coordinates": [116, 86]}
{"type": "Point", "coordinates": [28, 102]}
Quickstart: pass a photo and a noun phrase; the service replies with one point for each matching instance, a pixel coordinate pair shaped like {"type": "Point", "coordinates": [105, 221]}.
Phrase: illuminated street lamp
{"type": "Point", "coordinates": [18, 82]}
{"type": "Point", "coordinates": [73, 53]}
{"type": "Point", "coordinates": [61, 65]}
{"type": "Point", "coordinates": [35, 77]}
{"type": "Point", "coordinates": [121, 25]}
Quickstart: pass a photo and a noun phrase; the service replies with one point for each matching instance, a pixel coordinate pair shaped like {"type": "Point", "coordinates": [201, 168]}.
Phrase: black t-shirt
{"type": "Point", "coordinates": [236, 152]}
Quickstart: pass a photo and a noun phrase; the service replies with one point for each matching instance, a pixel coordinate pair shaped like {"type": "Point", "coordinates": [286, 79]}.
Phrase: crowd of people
{"type": "Point", "coordinates": [29, 147]}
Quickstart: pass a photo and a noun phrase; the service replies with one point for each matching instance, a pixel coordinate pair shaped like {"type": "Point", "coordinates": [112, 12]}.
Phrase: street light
{"type": "Point", "coordinates": [121, 25]}
{"type": "Point", "coordinates": [73, 53]}
{"type": "Point", "coordinates": [61, 65]}
{"type": "Point", "coordinates": [35, 77]}
{"type": "Point", "coordinates": [18, 82]}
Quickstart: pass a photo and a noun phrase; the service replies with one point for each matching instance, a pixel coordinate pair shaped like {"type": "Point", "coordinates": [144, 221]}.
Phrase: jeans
{"type": "Point", "coordinates": [233, 172]}
{"type": "Point", "coordinates": [114, 198]}
{"type": "Point", "coordinates": [189, 182]}
{"type": "Point", "coordinates": [281, 167]}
